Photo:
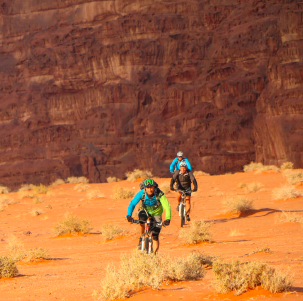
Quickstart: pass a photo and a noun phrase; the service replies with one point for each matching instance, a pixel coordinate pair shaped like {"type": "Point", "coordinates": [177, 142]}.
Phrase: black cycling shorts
{"type": "Point", "coordinates": [154, 227]}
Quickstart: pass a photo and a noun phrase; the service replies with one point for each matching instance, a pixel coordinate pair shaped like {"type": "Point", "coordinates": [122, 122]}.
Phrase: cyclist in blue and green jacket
{"type": "Point", "coordinates": [153, 201]}
{"type": "Point", "coordinates": [175, 165]}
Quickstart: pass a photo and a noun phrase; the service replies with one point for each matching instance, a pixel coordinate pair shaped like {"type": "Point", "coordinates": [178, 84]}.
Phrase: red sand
{"type": "Point", "coordinates": [79, 261]}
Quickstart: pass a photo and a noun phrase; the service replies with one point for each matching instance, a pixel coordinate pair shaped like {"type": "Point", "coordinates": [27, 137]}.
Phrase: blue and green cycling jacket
{"type": "Point", "coordinates": [175, 165]}
{"type": "Point", "coordinates": [150, 202]}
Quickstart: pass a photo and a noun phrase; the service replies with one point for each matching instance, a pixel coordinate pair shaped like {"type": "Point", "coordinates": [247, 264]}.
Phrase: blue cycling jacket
{"type": "Point", "coordinates": [150, 202]}
{"type": "Point", "coordinates": [175, 165]}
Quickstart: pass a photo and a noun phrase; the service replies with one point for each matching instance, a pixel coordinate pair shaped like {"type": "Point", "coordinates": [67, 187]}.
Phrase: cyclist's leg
{"type": "Point", "coordinates": [178, 200]}
{"type": "Point", "coordinates": [155, 232]}
{"type": "Point", "coordinates": [188, 204]}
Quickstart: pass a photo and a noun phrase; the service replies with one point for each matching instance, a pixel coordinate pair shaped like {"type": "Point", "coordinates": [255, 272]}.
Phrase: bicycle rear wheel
{"type": "Point", "coordinates": [182, 215]}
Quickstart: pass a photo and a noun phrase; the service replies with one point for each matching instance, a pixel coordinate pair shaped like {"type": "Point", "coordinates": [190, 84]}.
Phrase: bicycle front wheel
{"type": "Point", "coordinates": [150, 246]}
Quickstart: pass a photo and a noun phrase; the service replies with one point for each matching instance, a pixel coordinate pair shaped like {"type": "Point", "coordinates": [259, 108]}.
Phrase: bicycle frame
{"type": "Point", "coordinates": [147, 239]}
{"type": "Point", "coordinates": [182, 207]}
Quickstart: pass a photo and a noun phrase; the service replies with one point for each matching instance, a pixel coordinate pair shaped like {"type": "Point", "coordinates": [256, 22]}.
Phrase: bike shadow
{"type": "Point", "coordinates": [247, 213]}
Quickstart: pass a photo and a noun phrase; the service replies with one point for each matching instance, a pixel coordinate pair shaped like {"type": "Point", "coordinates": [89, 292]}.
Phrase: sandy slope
{"type": "Point", "coordinates": [78, 262]}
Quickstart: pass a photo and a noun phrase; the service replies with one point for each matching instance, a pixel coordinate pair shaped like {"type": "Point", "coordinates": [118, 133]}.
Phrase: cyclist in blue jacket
{"type": "Point", "coordinates": [175, 165]}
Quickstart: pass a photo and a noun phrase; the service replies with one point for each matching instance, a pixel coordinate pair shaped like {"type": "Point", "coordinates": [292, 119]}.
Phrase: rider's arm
{"type": "Point", "coordinates": [173, 179]}
{"type": "Point", "coordinates": [172, 165]}
{"type": "Point", "coordinates": [194, 181]}
{"type": "Point", "coordinates": [166, 206]}
{"type": "Point", "coordinates": [188, 164]}
{"type": "Point", "coordinates": [134, 202]}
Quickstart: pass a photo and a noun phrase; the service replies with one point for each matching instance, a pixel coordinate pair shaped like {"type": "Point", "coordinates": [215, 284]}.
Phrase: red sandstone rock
{"type": "Point", "coordinates": [97, 88]}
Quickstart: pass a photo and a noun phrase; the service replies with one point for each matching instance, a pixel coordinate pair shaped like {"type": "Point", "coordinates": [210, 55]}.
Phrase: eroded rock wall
{"type": "Point", "coordinates": [97, 88]}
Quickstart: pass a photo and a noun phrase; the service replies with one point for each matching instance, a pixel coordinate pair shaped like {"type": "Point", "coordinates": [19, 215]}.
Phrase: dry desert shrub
{"type": "Point", "coordinates": [57, 182]}
{"type": "Point", "coordinates": [3, 205]}
{"type": "Point", "coordinates": [259, 167]}
{"type": "Point", "coordinates": [113, 179]}
{"type": "Point", "coordinates": [200, 173]}
{"type": "Point", "coordinates": [290, 217]}
{"type": "Point", "coordinates": [254, 187]}
{"type": "Point", "coordinates": [140, 270]}
{"type": "Point", "coordinates": [240, 277]}
{"type": "Point", "coordinates": [77, 180]}
{"type": "Point", "coordinates": [122, 193]}
{"type": "Point", "coordinates": [237, 204]}
{"type": "Point", "coordinates": [8, 268]}
{"type": "Point", "coordinates": [286, 192]}
{"type": "Point", "coordinates": [81, 187]}
{"type": "Point", "coordinates": [5, 201]}
{"type": "Point", "coordinates": [37, 254]}
{"type": "Point", "coordinates": [36, 212]}
{"type": "Point", "coordinates": [287, 165]}
{"type": "Point", "coordinates": [165, 187]}
{"type": "Point", "coordinates": [15, 248]}
{"type": "Point", "coordinates": [26, 194]}
{"type": "Point", "coordinates": [235, 232]}
{"type": "Point", "coordinates": [261, 250]}
{"type": "Point", "coordinates": [276, 281]}
{"type": "Point", "coordinates": [137, 173]}
{"type": "Point", "coordinates": [41, 189]}
{"type": "Point", "coordinates": [198, 231]}
{"type": "Point", "coordinates": [4, 190]}
{"type": "Point", "coordinates": [38, 200]}
{"type": "Point", "coordinates": [109, 231]}
{"type": "Point", "coordinates": [293, 177]}
{"type": "Point", "coordinates": [72, 224]}
{"type": "Point", "coordinates": [95, 194]}
{"type": "Point", "coordinates": [26, 187]}
{"type": "Point", "coordinates": [242, 185]}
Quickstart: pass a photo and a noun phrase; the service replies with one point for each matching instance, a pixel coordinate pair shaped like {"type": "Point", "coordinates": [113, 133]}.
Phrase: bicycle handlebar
{"type": "Point", "coordinates": [137, 221]}
{"type": "Point", "coordinates": [184, 191]}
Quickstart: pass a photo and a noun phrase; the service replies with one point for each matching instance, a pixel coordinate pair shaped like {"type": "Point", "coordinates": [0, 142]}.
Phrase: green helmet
{"type": "Point", "coordinates": [149, 183]}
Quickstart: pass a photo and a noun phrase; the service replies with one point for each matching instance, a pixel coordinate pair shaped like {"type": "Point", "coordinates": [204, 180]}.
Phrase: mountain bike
{"type": "Point", "coordinates": [182, 206]}
{"type": "Point", "coordinates": [147, 238]}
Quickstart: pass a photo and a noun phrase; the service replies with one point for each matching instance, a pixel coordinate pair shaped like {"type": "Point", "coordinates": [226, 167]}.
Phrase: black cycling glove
{"type": "Point", "coordinates": [130, 219]}
{"type": "Point", "coordinates": [166, 222]}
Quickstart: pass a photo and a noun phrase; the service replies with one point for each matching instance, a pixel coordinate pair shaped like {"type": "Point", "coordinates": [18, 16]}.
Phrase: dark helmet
{"type": "Point", "coordinates": [149, 183]}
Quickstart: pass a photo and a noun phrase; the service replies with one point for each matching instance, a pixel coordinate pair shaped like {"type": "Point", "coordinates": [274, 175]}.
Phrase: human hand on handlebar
{"type": "Point", "coordinates": [129, 219]}
{"type": "Point", "coordinates": [166, 222]}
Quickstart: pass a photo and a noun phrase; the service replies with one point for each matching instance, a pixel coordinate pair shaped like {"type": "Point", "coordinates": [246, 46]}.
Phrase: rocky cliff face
{"type": "Point", "coordinates": [96, 88]}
